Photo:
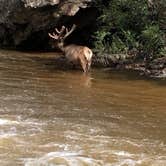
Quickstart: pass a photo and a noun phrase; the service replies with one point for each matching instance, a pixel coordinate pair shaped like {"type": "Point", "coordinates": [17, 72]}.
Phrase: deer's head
{"type": "Point", "coordinates": [60, 35]}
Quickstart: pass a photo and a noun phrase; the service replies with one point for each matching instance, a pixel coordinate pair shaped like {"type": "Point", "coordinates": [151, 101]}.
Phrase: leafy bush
{"type": "Point", "coordinates": [151, 41]}
{"type": "Point", "coordinates": [124, 25]}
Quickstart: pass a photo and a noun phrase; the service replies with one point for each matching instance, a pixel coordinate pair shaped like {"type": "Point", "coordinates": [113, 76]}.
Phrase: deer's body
{"type": "Point", "coordinates": [77, 55]}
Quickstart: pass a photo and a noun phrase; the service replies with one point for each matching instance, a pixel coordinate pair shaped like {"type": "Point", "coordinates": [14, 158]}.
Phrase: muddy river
{"type": "Point", "coordinates": [53, 116]}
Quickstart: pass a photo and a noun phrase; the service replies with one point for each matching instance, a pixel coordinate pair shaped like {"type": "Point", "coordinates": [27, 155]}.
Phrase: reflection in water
{"type": "Point", "coordinates": [51, 116]}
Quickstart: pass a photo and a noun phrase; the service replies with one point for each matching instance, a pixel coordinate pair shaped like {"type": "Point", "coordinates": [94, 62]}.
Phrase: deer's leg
{"type": "Point", "coordinates": [83, 65]}
{"type": "Point", "coordinates": [88, 65]}
{"type": "Point", "coordinates": [73, 65]}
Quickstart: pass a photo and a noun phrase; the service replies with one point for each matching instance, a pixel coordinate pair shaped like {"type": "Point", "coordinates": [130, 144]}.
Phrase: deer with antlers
{"type": "Point", "coordinates": [77, 55]}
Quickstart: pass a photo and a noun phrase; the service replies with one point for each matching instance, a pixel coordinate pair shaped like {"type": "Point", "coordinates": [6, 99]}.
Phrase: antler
{"type": "Point", "coordinates": [61, 30]}
{"type": "Point", "coordinates": [57, 36]}
{"type": "Point", "coordinates": [69, 32]}
{"type": "Point", "coordinates": [60, 33]}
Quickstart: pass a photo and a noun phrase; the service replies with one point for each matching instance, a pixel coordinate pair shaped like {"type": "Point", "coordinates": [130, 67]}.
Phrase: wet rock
{"type": "Point", "coordinates": [157, 67]}
{"type": "Point", "coordinates": [39, 3]}
{"type": "Point", "coordinates": [111, 60]}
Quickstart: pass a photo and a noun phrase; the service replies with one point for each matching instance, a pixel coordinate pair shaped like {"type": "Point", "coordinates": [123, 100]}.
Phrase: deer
{"type": "Point", "coordinates": [75, 54]}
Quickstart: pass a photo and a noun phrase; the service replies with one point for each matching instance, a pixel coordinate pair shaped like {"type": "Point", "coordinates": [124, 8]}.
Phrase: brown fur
{"type": "Point", "coordinates": [79, 55]}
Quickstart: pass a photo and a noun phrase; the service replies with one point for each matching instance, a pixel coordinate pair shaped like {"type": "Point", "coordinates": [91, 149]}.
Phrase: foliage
{"type": "Point", "coordinates": [151, 41]}
{"type": "Point", "coordinates": [124, 25]}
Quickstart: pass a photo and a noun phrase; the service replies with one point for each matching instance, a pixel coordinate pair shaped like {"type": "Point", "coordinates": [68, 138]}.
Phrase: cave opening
{"type": "Point", "coordinates": [85, 19]}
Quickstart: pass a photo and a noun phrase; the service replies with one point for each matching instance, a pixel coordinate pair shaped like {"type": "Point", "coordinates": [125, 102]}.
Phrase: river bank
{"type": "Point", "coordinates": [154, 68]}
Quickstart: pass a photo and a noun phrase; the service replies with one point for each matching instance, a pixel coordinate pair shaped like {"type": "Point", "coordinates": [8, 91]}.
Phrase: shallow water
{"type": "Point", "coordinates": [53, 116]}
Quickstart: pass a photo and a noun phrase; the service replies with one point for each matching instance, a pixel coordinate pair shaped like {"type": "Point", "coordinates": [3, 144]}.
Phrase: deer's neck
{"type": "Point", "coordinates": [61, 46]}
{"type": "Point", "coordinates": [65, 48]}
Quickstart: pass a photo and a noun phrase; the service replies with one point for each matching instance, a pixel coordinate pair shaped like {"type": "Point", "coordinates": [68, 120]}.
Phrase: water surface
{"type": "Point", "coordinates": [53, 116]}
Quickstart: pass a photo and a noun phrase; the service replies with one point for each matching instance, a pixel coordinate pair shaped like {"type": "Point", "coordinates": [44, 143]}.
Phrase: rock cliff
{"type": "Point", "coordinates": [23, 22]}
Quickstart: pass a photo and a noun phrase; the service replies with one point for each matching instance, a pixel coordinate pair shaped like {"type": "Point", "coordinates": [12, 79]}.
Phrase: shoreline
{"type": "Point", "coordinates": [155, 68]}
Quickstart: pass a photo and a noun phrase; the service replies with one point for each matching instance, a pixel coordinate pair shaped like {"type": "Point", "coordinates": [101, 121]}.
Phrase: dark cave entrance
{"type": "Point", "coordinates": [85, 20]}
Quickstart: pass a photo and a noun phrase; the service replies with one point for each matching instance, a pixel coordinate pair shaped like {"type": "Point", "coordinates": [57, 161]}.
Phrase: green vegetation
{"type": "Point", "coordinates": [127, 25]}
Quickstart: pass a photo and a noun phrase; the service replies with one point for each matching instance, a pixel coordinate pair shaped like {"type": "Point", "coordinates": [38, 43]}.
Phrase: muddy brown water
{"type": "Point", "coordinates": [53, 116]}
